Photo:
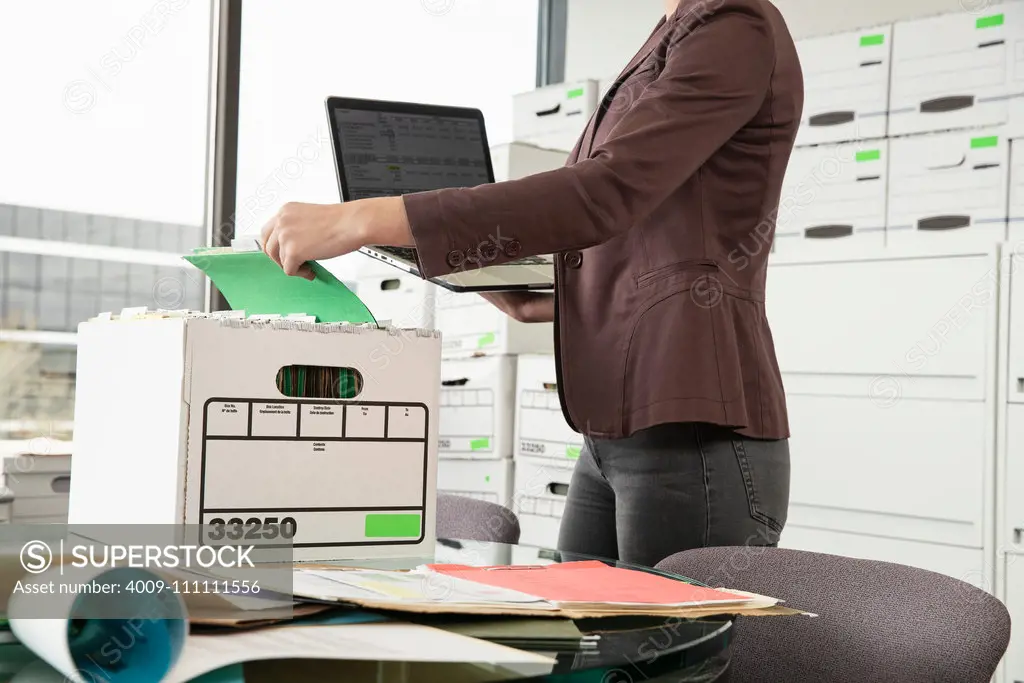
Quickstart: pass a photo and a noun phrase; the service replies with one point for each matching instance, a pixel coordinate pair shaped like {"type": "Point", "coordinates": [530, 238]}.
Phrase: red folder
{"type": "Point", "coordinates": [591, 582]}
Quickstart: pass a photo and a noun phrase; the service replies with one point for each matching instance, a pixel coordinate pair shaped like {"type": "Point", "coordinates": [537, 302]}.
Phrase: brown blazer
{"type": "Point", "coordinates": [662, 222]}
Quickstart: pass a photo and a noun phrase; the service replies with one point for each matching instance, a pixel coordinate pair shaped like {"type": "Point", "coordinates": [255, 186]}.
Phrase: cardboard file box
{"type": "Point", "coordinates": [39, 485]}
{"type": "Point", "coordinates": [846, 86]}
{"type": "Point", "coordinates": [476, 407]}
{"type": "Point", "coordinates": [530, 555]}
{"type": "Point", "coordinates": [180, 419]}
{"type": "Point", "coordinates": [403, 299]}
{"type": "Point", "coordinates": [541, 487]}
{"type": "Point", "coordinates": [833, 199]}
{"type": "Point", "coordinates": [554, 117]}
{"type": "Point", "coordinates": [541, 429]}
{"type": "Point", "coordinates": [470, 326]}
{"type": "Point", "coordinates": [958, 70]}
{"type": "Point", "coordinates": [519, 160]}
{"type": "Point", "coordinates": [486, 480]}
{"type": "Point", "coordinates": [948, 190]}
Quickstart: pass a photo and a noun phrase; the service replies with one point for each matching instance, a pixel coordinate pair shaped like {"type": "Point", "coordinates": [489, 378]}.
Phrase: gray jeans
{"type": "Point", "coordinates": [674, 487]}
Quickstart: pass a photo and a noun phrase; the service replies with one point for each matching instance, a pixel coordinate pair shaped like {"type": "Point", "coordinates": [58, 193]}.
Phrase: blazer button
{"type": "Point", "coordinates": [456, 258]}
{"type": "Point", "coordinates": [513, 248]}
{"type": "Point", "coordinates": [574, 259]}
{"type": "Point", "coordinates": [473, 255]}
{"type": "Point", "coordinates": [488, 252]}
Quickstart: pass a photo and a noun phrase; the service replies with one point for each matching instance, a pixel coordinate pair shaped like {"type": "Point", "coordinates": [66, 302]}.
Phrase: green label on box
{"type": "Point", "coordinates": [869, 155]}
{"type": "Point", "coordinates": [991, 141]}
{"type": "Point", "coordinates": [393, 525]}
{"type": "Point", "coordinates": [877, 39]}
{"type": "Point", "coordinates": [989, 22]}
{"type": "Point", "coordinates": [572, 452]}
{"type": "Point", "coordinates": [487, 479]}
{"type": "Point", "coordinates": [573, 94]}
{"type": "Point", "coordinates": [485, 340]}
{"type": "Point", "coordinates": [479, 444]}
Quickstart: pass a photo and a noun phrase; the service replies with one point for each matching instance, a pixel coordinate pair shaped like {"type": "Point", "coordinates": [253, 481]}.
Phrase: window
{"type": "Point", "coordinates": [104, 139]}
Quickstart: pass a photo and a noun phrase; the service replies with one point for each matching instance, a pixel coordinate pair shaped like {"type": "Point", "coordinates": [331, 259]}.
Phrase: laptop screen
{"type": "Point", "coordinates": [386, 154]}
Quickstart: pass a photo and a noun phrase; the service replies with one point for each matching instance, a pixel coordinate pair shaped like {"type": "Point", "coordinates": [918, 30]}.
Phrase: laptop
{"type": "Point", "coordinates": [387, 149]}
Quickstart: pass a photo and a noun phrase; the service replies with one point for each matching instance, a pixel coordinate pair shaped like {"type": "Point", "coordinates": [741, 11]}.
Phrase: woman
{"type": "Point", "coordinates": [661, 222]}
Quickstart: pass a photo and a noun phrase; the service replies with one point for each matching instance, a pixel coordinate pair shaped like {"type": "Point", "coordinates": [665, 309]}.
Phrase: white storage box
{"type": "Point", "coordinates": [541, 487]}
{"type": "Point", "coordinates": [403, 299]}
{"type": "Point", "coordinates": [948, 189]}
{"type": "Point", "coordinates": [181, 420]}
{"type": "Point", "coordinates": [529, 555]}
{"type": "Point", "coordinates": [477, 397]}
{"type": "Point", "coordinates": [833, 199]}
{"type": "Point", "coordinates": [1015, 213]}
{"type": "Point", "coordinates": [486, 480]}
{"type": "Point", "coordinates": [519, 160]}
{"type": "Point", "coordinates": [555, 116]}
{"type": "Point", "coordinates": [846, 86]}
{"type": "Point", "coordinates": [541, 429]}
{"type": "Point", "coordinates": [470, 326]}
{"type": "Point", "coordinates": [40, 485]}
{"type": "Point", "coordinates": [958, 70]}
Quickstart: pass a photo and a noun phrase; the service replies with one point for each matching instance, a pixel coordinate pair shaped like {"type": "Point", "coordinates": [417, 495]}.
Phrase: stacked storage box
{"type": "Point", "coordinates": [41, 485]}
{"type": "Point", "coordinates": [555, 116]}
{"type": "Point", "coordinates": [546, 450]}
{"type": "Point", "coordinates": [481, 346]}
{"type": "Point", "coordinates": [6, 505]}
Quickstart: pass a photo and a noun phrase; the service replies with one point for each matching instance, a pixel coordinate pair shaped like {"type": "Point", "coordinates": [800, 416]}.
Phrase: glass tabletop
{"type": "Point", "coordinates": [619, 650]}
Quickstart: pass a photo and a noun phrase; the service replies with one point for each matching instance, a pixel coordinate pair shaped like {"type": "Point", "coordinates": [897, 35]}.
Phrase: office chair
{"type": "Point", "coordinates": [475, 520]}
{"type": "Point", "coordinates": [876, 621]}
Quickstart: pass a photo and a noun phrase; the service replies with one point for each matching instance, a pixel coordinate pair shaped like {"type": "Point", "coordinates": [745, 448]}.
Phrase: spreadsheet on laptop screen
{"type": "Point", "coordinates": [386, 154]}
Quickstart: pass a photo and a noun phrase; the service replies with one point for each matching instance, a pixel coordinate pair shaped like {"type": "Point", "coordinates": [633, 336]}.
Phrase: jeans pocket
{"type": "Point", "coordinates": [765, 469]}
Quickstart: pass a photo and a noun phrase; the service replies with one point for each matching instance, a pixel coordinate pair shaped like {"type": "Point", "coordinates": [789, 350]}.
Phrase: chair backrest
{"type": "Point", "coordinates": [876, 621]}
{"type": "Point", "coordinates": [475, 520]}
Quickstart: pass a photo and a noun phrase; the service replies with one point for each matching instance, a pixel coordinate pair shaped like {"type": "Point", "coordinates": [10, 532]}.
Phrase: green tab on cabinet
{"type": "Point", "coordinates": [990, 141]}
{"type": "Point", "coordinates": [876, 39]}
{"type": "Point", "coordinates": [572, 452]}
{"type": "Point", "coordinates": [485, 340]}
{"type": "Point", "coordinates": [573, 94]}
{"type": "Point", "coordinates": [990, 21]}
{"type": "Point", "coordinates": [393, 525]}
{"type": "Point", "coordinates": [479, 444]}
{"type": "Point", "coordinates": [869, 155]}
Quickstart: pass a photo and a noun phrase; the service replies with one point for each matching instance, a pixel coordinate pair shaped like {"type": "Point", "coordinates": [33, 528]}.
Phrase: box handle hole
{"type": "Point", "coordinates": [319, 381]}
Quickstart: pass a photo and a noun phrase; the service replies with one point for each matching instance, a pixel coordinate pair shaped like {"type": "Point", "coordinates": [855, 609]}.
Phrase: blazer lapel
{"type": "Point", "coordinates": [587, 142]}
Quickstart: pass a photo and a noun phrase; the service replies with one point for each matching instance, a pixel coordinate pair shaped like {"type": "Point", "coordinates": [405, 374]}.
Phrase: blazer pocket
{"type": "Point", "coordinates": [695, 268]}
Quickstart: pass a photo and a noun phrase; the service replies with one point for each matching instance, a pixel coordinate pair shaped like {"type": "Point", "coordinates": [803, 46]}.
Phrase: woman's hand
{"type": "Point", "coordinates": [526, 307]}
{"type": "Point", "coordinates": [309, 232]}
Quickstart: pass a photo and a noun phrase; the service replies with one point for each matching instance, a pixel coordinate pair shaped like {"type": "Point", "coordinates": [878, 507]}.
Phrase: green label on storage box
{"type": "Point", "coordinates": [479, 444]}
{"type": "Point", "coordinates": [869, 155]}
{"type": "Point", "coordinates": [989, 22]}
{"type": "Point", "coordinates": [393, 525]}
{"type": "Point", "coordinates": [990, 141]}
{"type": "Point", "coordinates": [572, 452]}
{"type": "Point", "coordinates": [485, 340]}
{"type": "Point", "coordinates": [876, 39]}
{"type": "Point", "coordinates": [573, 94]}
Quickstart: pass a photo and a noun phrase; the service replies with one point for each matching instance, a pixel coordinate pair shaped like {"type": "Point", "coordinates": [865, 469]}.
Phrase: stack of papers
{"type": "Point", "coordinates": [569, 590]}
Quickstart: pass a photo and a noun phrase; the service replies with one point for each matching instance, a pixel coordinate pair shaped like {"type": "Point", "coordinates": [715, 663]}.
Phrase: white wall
{"type": "Point", "coordinates": [605, 34]}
